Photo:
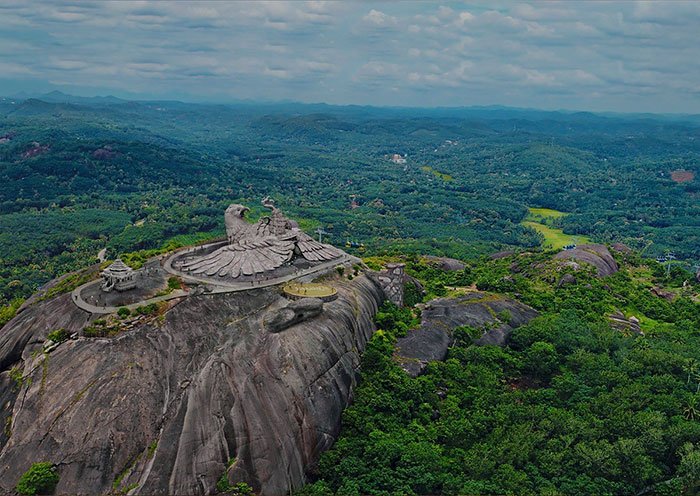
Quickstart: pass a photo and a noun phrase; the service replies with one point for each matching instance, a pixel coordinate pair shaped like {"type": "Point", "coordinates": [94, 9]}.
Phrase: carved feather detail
{"type": "Point", "coordinates": [258, 248]}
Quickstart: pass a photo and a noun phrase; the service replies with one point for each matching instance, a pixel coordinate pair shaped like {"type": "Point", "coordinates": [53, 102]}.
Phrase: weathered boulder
{"type": "Point", "coordinates": [597, 255]}
{"type": "Point", "coordinates": [447, 264]}
{"type": "Point", "coordinates": [501, 254]}
{"type": "Point", "coordinates": [619, 322]}
{"type": "Point", "coordinates": [661, 293]}
{"type": "Point", "coordinates": [621, 248]}
{"type": "Point", "coordinates": [450, 265]}
{"type": "Point", "coordinates": [297, 311]}
{"type": "Point", "coordinates": [565, 280]}
{"type": "Point", "coordinates": [441, 316]}
{"type": "Point", "coordinates": [162, 408]}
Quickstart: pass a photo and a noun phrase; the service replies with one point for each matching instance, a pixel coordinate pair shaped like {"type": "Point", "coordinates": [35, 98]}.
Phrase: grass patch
{"type": "Point", "coordinates": [555, 238]}
{"type": "Point", "coordinates": [543, 215]}
{"type": "Point", "coordinates": [543, 221]}
{"type": "Point", "coordinates": [130, 465]}
{"type": "Point", "coordinates": [444, 177]}
{"type": "Point", "coordinates": [69, 284]}
{"type": "Point", "coordinates": [152, 448]}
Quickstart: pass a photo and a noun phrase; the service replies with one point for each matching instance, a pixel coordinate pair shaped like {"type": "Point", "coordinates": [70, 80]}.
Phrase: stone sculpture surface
{"type": "Point", "coordinates": [118, 276]}
{"type": "Point", "coordinates": [258, 248]}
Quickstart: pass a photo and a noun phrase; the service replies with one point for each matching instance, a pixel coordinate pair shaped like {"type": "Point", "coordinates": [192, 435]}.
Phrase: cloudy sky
{"type": "Point", "coordinates": [621, 56]}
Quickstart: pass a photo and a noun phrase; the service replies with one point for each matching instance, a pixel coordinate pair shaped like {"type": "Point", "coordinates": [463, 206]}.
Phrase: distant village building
{"type": "Point", "coordinates": [398, 159]}
{"type": "Point", "coordinates": [118, 276]}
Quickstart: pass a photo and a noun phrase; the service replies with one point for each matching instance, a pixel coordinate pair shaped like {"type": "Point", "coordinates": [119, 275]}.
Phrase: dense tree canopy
{"type": "Point", "coordinates": [570, 406]}
{"type": "Point", "coordinates": [128, 176]}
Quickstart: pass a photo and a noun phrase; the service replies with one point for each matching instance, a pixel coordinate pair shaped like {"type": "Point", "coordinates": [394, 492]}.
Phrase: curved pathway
{"type": "Point", "coordinates": [89, 307]}
{"type": "Point", "coordinates": [214, 288]}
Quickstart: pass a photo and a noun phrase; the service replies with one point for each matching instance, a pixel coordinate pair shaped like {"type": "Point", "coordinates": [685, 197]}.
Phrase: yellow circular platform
{"type": "Point", "coordinates": [309, 290]}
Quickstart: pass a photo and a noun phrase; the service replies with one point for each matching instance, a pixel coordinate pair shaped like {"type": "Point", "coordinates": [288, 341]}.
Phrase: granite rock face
{"type": "Point", "coordinates": [163, 408]}
{"type": "Point", "coordinates": [442, 315]}
{"type": "Point", "coordinates": [597, 255]}
{"type": "Point", "coordinates": [297, 311]}
{"type": "Point", "coordinates": [447, 264]}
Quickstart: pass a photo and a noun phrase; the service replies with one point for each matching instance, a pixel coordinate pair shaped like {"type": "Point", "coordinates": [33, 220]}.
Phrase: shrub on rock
{"type": "Point", "coordinates": [41, 478]}
{"type": "Point", "coordinates": [59, 335]}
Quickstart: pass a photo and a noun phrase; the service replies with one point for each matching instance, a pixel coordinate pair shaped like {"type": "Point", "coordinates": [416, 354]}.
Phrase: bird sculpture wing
{"type": "Point", "coordinates": [314, 251]}
{"type": "Point", "coordinates": [244, 257]}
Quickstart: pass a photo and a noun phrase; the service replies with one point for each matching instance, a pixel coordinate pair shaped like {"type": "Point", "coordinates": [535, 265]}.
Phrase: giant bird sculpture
{"type": "Point", "coordinates": [262, 247]}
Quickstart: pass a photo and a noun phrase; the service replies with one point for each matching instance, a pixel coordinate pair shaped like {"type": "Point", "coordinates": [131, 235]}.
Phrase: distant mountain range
{"type": "Point", "coordinates": [60, 97]}
{"type": "Point", "coordinates": [495, 112]}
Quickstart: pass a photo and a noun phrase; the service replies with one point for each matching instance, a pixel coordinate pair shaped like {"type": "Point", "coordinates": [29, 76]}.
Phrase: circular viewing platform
{"type": "Point", "coordinates": [298, 290]}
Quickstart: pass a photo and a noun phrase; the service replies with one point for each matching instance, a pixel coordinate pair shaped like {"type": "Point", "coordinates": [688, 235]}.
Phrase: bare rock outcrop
{"type": "Point", "coordinates": [621, 248]}
{"type": "Point", "coordinates": [661, 293]}
{"type": "Point", "coordinates": [566, 280]}
{"type": "Point", "coordinates": [164, 408]}
{"type": "Point", "coordinates": [501, 254]}
{"type": "Point", "coordinates": [619, 322]}
{"type": "Point", "coordinates": [447, 264]}
{"type": "Point", "coordinates": [441, 316]}
{"type": "Point", "coordinates": [297, 311]}
{"type": "Point", "coordinates": [597, 255]}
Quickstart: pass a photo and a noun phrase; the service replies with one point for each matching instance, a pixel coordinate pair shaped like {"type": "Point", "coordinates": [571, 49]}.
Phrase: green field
{"type": "Point", "coordinates": [543, 215]}
{"type": "Point", "coordinates": [540, 219]}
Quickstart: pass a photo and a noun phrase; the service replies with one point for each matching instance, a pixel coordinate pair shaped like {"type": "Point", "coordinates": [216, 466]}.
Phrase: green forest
{"type": "Point", "coordinates": [126, 176]}
{"type": "Point", "coordinates": [569, 406]}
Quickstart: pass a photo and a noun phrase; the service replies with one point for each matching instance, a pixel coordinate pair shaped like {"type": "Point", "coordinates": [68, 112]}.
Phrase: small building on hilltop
{"type": "Point", "coordinates": [118, 276]}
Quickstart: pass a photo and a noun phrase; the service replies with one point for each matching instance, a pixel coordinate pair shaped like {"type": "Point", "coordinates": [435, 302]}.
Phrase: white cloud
{"type": "Point", "coordinates": [351, 52]}
{"type": "Point", "coordinates": [379, 19]}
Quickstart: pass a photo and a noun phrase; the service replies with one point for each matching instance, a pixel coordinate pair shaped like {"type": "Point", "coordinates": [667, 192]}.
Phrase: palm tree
{"type": "Point", "coordinates": [691, 410]}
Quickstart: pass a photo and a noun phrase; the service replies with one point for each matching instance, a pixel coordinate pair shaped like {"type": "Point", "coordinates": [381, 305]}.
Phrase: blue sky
{"type": "Point", "coordinates": [621, 56]}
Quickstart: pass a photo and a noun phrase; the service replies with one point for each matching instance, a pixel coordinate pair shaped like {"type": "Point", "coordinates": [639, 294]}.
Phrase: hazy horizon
{"type": "Point", "coordinates": [629, 57]}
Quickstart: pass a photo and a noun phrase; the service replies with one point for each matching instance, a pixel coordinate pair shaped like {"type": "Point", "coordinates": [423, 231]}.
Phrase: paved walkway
{"type": "Point", "coordinates": [213, 288]}
{"type": "Point", "coordinates": [89, 307]}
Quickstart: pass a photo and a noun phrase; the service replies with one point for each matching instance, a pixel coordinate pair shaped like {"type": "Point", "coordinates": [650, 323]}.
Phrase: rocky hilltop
{"type": "Point", "coordinates": [494, 316]}
{"type": "Point", "coordinates": [171, 405]}
{"type": "Point", "coordinates": [595, 254]}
